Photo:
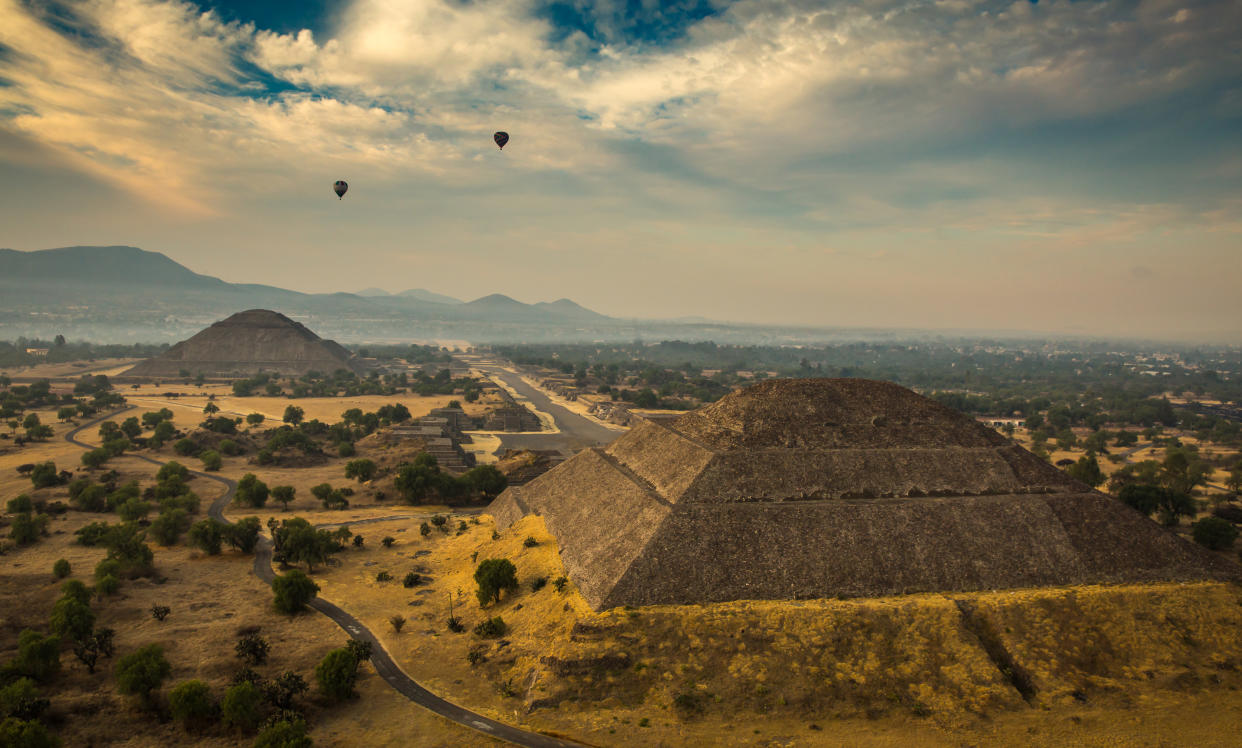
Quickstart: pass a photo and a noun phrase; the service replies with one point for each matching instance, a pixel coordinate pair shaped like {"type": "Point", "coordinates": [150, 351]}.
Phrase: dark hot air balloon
{"type": "Point", "coordinates": [340, 186]}
{"type": "Point", "coordinates": [501, 138]}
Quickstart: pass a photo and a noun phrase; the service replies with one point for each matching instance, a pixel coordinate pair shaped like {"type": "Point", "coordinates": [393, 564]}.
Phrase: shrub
{"type": "Point", "coordinates": [45, 475]}
{"type": "Point", "coordinates": [346, 449]}
{"type": "Point", "coordinates": [397, 622]}
{"type": "Point", "coordinates": [134, 510]}
{"type": "Point", "coordinates": [191, 704]}
{"type": "Point", "coordinates": [530, 542]}
{"type": "Point", "coordinates": [293, 591]}
{"type": "Point", "coordinates": [38, 656]}
{"type": "Point", "coordinates": [231, 448]}
{"type": "Point", "coordinates": [493, 577]}
{"type": "Point", "coordinates": [538, 583]}
{"type": "Point", "coordinates": [251, 491]}
{"type": "Point", "coordinates": [75, 589]}
{"type": "Point", "coordinates": [108, 585]}
{"type": "Point", "coordinates": [107, 567]}
{"type": "Point", "coordinates": [285, 688]}
{"type": "Point", "coordinates": [186, 447]}
{"type": "Point", "coordinates": [23, 733]}
{"type": "Point", "coordinates": [359, 541]}
{"type": "Point", "coordinates": [20, 700]}
{"type": "Point", "coordinates": [61, 569]}
{"type": "Point", "coordinates": [21, 504]}
{"type": "Point", "coordinates": [560, 583]}
{"type": "Point", "coordinates": [172, 469]}
{"type": "Point", "coordinates": [337, 673]}
{"type": "Point", "coordinates": [491, 628]}
{"type": "Point", "coordinates": [284, 733]}
{"type": "Point", "coordinates": [411, 580]}
{"type": "Point", "coordinates": [383, 576]}
{"type": "Point", "coordinates": [167, 528]}
{"type": "Point", "coordinates": [27, 528]}
{"type": "Point", "coordinates": [72, 619]}
{"type": "Point", "coordinates": [387, 541]}
{"type": "Point", "coordinates": [1214, 533]}
{"type": "Point", "coordinates": [242, 707]}
{"type": "Point", "coordinates": [474, 656]}
{"type": "Point", "coordinates": [424, 529]}
{"type": "Point", "coordinates": [207, 536]}
{"type": "Point", "coordinates": [142, 672]}
{"type": "Point", "coordinates": [212, 460]}
{"type": "Point", "coordinates": [252, 649]}
{"type": "Point", "coordinates": [160, 612]}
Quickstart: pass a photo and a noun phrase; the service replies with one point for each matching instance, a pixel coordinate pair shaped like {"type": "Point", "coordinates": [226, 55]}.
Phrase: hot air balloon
{"type": "Point", "coordinates": [501, 138]}
{"type": "Point", "coordinates": [340, 186]}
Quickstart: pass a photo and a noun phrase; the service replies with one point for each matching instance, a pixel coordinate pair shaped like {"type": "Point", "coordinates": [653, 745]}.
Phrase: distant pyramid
{"type": "Point", "coordinates": [817, 488]}
{"type": "Point", "coordinates": [248, 343]}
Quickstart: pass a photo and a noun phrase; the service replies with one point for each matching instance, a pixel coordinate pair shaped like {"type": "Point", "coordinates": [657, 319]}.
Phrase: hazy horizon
{"type": "Point", "coordinates": [1054, 168]}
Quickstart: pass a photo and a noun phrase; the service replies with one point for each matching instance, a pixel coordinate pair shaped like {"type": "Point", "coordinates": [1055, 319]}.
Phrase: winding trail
{"type": "Point", "coordinates": [385, 666]}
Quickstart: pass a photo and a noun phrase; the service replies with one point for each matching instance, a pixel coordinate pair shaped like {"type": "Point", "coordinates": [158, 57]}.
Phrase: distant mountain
{"type": "Point", "coordinates": [423, 294]}
{"type": "Point", "coordinates": [567, 308]}
{"type": "Point", "coordinates": [116, 264]}
{"type": "Point", "coordinates": [125, 293]}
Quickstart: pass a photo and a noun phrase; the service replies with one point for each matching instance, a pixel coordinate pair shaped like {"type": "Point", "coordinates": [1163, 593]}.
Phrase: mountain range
{"type": "Point", "coordinates": [120, 293]}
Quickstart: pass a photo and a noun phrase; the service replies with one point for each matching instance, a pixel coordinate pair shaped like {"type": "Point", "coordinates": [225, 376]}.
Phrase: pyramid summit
{"type": "Point", "coordinates": [815, 488]}
{"type": "Point", "coordinates": [247, 343]}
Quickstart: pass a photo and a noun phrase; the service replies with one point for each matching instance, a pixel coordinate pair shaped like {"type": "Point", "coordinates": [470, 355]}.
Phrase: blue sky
{"type": "Point", "coordinates": [1055, 166]}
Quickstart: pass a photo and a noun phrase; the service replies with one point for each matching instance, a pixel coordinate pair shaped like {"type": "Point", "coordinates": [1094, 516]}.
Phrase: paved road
{"type": "Point", "coordinates": [380, 658]}
{"type": "Point", "coordinates": [577, 431]}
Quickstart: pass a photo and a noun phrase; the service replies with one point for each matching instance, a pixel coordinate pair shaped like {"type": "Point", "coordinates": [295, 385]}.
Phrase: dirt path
{"type": "Point", "coordinates": [385, 666]}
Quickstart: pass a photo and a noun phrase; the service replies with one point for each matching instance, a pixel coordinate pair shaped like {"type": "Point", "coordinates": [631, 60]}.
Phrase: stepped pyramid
{"type": "Point", "coordinates": [815, 488]}
{"type": "Point", "coordinates": [248, 343]}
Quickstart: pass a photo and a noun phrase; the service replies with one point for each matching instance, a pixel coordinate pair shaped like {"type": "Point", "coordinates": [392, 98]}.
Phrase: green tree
{"type": "Point", "coordinates": [131, 428]}
{"type": "Point", "coordinates": [212, 461]}
{"type": "Point", "coordinates": [211, 408]}
{"type": "Point", "coordinates": [26, 528]}
{"type": "Point", "coordinates": [494, 576]}
{"type": "Point", "coordinates": [72, 619]}
{"type": "Point", "coordinates": [22, 504]}
{"type": "Point", "coordinates": [293, 591]}
{"type": "Point", "coordinates": [60, 569]}
{"type": "Point", "coordinates": [251, 491]}
{"type": "Point", "coordinates": [167, 528]}
{"type": "Point", "coordinates": [142, 672]}
{"type": "Point", "coordinates": [22, 733]}
{"type": "Point", "coordinates": [285, 733]}
{"type": "Point", "coordinates": [20, 699]}
{"type": "Point", "coordinates": [363, 470]}
{"type": "Point", "coordinates": [336, 674]}
{"type": "Point", "coordinates": [486, 480]}
{"type": "Point", "coordinates": [134, 510]}
{"type": "Point", "coordinates": [242, 707]}
{"type": "Point", "coordinates": [1214, 533]}
{"type": "Point", "coordinates": [254, 419]}
{"type": "Point", "coordinates": [244, 534]}
{"type": "Point", "coordinates": [172, 469]}
{"type": "Point", "coordinates": [293, 415]}
{"type": "Point", "coordinates": [95, 458]}
{"type": "Point", "coordinates": [45, 475]}
{"type": "Point", "coordinates": [284, 494]}
{"type": "Point", "coordinates": [38, 656]}
{"type": "Point", "coordinates": [191, 704]}
{"type": "Point", "coordinates": [207, 535]}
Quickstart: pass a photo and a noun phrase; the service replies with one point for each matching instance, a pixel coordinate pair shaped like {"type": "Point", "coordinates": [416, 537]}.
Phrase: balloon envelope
{"type": "Point", "coordinates": [340, 188]}
{"type": "Point", "coordinates": [501, 138]}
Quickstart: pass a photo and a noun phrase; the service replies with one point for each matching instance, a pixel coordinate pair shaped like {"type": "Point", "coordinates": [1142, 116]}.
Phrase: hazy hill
{"type": "Point", "coordinates": [125, 293]}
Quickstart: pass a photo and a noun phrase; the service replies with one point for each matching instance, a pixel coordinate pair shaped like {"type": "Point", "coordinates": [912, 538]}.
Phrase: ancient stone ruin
{"type": "Point", "coordinates": [249, 343]}
{"type": "Point", "coordinates": [816, 488]}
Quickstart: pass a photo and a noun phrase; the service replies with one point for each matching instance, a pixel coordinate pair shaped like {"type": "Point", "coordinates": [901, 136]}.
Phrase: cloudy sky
{"type": "Point", "coordinates": [1054, 166]}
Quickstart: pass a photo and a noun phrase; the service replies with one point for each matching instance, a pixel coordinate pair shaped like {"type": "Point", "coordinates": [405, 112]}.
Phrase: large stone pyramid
{"type": "Point", "coordinates": [248, 343]}
{"type": "Point", "coordinates": [814, 488]}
